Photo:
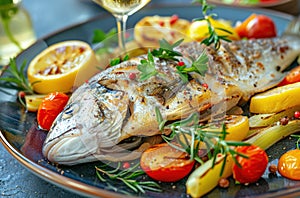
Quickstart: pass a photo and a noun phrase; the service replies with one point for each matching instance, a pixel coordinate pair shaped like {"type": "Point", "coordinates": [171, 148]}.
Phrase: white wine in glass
{"type": "Point", "coordinates": [121, 9]}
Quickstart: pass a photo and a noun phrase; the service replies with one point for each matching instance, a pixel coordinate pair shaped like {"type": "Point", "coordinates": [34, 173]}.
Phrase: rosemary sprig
{"type": "Point", "coordinates": [213, 37]}
{"type": "Point", "coordinates": [15, 78]}
{"type": "Point", "coordinates": [128, 177]}
{"type": "Point", "coordinates": [189, 135]}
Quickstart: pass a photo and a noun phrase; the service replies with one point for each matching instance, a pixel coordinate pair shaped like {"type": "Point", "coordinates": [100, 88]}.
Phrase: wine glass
{"type": "Point", "coordinates": [121, 9]}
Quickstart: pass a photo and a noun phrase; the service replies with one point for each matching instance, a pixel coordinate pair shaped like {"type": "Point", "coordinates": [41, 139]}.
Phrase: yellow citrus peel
{"type": "Point", "coordinates": [56, 67]}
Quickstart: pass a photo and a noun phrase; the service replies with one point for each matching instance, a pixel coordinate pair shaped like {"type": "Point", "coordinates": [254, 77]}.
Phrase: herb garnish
{"type": "Point", "coordinates": [147, 67]}
{"type": "Point", "coordinates": [199, 66]}
{"type": "Point", "coordinates": [128, 177]}
{"type": "Point", "coordinates": [213, 37]}
{"type": "Point", "coordinates": [166, 50]}
{"type": "Point", "coordinates": [118, 60]}
{"type": "Point", "coordinates": [189, 134]}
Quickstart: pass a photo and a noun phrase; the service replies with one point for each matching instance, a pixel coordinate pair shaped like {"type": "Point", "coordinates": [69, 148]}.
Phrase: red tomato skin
{"type": "Point", "coordinates": [256, 27]}
{"type": "Point", "coordinates": [292, 77]}
{"type": "Point", "coordinates": [169, 173]}
{"type": "Point", "coordinates": [252, 168]}
{"type": "Point", "coordinates": [49, 109]}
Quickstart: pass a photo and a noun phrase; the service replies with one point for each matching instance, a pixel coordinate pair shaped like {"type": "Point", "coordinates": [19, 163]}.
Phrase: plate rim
{"type": "Point", "coordinates": [86, 189]}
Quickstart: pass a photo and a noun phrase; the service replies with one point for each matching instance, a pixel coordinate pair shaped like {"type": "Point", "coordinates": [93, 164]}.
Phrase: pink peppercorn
{"type": "Point", "coordinates": [297, 114]}
{"type": "Point", "coordinates": [132, 76]}
{"type": "Point", "coordinates": [180, 63]}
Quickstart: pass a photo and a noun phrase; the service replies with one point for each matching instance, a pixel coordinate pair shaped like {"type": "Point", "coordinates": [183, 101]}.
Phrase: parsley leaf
{"type": "Point", "coordinates": [118, 60]}
{"type": "Point", "coordinates": [199, 66]}
{"type": "Point", "coordinates": [147, 68]}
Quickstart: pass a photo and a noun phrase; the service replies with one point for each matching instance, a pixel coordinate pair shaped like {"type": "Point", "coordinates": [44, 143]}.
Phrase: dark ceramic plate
{"type": "Point", "coordinates": [18, 128]}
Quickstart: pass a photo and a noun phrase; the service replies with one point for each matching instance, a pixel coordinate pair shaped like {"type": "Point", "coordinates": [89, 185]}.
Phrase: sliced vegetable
{"type": "Point", "coordinates": [249, 170]}
{"type": "Point", "coordinates": [276, 100]}
{"type": "Point", "coordinates": [165, 163]}
{"type": "Point", "coordinates": [49, 109]}
{"type": "Point", "coordinates": [205, 178]}
{"type": "Point", "coordinates": [264, 120]}
{"type": "Point", "coordinates": [56, 68]}
{"type": "Point", "coordinates": [257, 26]}
{"type": "Point", "coordinates": [33, 102]}
{"type": "Point", "coordinates": [289, 164]}
{"type": "Point", "coordinates": [292, 77]}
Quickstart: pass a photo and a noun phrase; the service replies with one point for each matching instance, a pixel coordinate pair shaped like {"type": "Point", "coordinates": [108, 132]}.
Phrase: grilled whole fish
{"type": "Point", "coordinates": [112, 116]}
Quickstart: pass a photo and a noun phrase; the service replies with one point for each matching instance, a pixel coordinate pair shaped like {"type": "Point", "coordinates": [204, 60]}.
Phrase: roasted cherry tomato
{"type": "Point", "coordinates": [257, 26]}
{"type": "Point", "coordinates": [49, 109]}
{"type": "Point", "coordinates": [165, 163]}
{"type": "Point", "coordinates": [292, 77]}
{"type": "Point", "coordinates": [253, 167]}
{"type": "Point", "coordinates": [289, 164]}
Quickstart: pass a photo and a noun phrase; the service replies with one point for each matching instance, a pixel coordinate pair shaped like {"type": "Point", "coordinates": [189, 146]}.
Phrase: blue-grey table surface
{"type": "Point", "coordinates": [47, 17]}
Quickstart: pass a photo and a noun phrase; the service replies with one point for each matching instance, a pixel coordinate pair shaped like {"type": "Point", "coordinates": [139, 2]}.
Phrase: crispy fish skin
{"type": "Point", "coordinates": [111, 109]}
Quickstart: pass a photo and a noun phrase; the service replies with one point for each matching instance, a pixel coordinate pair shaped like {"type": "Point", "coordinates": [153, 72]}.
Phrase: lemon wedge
{"type": "Point", "coordinates": [276, 100]}
{"type": "Point", "coordinates": [198, 30]}
{"type": "Point", "coordinates": [56, 67]}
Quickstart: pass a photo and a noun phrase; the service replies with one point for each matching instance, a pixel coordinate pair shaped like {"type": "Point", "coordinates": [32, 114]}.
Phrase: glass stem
{"type": "Point", "coordinates": [121, 25]}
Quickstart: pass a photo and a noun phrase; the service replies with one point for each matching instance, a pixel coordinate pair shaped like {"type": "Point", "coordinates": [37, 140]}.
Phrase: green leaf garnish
{"type": "Point", "coordinates": [166, 50]}
{"type": "Point", "coordinates": [200, 66]}
{"type": "Point", "coordinates": [147, 68]}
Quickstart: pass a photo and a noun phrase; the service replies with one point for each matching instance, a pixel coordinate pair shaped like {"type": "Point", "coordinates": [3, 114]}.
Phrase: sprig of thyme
{"type": "Point", "coordinates": [127, 176]}
{"type": "Point", "coordinates": [189, 135]}
{"type": "Point", "coordinates": [213, 37]}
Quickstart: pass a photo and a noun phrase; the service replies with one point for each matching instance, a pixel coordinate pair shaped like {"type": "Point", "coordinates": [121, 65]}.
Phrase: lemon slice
{"type": "Point", "coordinates": [149, 30]}
{"type": "Point", "coordinates": [55, 68]}
{"type": "Point", "coordinates": [276, 100]}
{"type": "Point", "coordinates": [198, 30]}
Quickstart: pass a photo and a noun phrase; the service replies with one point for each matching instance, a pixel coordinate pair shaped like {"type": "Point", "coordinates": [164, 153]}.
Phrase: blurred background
{"type": "Point", "coordinates": [48, 17]}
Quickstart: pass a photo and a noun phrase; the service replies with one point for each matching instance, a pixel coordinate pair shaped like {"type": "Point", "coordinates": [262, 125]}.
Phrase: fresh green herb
{"type": "Point", "coordinates": [128, 176]}
{"type": "Point", "coordinates": [213, 37]}
{"type": "Point", "coordinates": [298, 140]}
{"type": "Point", "coordinates": [100, 35]}
{"type": "Point", "coordinates": [7, 12]}
{"type": "Point", "coordinates": [194, 134]}
{"type": "Point", "coordinates": [166, 50]}
{"type": "Point", "coordinates": [118, 60]}
{"type": "Point", "coordinates": [15, 79]}
{"type": "Point", "coordinates": [199, 66]}
{"type": "Point", "coordinates": [147, 68]}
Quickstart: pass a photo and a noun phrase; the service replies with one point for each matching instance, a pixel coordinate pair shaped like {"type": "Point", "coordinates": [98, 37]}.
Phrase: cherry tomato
{"type": "Point", "coordinates": [289, 164]}
{"type": "Point", "coordinates": [49, 109]}
{"type": "Point", "coordinates": [292, 77]}
{"type": "Point", "coordinates": [165, 163]}
{"type": "Point", "coordinates": [253, 167]}
{"type": "Point", "coordinates": [257, 26]}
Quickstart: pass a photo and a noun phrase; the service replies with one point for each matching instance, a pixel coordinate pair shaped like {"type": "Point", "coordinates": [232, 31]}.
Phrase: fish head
{"type": "Point", "coordinates": [92, 120]}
